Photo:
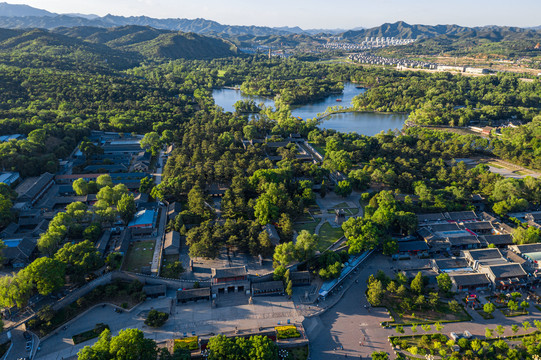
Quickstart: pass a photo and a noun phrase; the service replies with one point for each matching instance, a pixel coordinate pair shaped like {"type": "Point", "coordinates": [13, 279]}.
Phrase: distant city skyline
{"type": "Point", "coordinates": [310, 14]}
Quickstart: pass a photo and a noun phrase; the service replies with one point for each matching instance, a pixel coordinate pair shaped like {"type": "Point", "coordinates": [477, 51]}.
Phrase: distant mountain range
{"type": "Point", "coordinates": [406, 31]}
{"type": "Point", "coordinates": [25, 17]}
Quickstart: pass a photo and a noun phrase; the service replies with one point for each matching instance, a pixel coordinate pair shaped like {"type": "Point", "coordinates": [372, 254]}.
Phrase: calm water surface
{"type": "Point", "coordinates": [362, 123]}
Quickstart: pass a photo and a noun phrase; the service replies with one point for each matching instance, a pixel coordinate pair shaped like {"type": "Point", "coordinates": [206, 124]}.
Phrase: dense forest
{"type": "Point", "coordinates": [57, 102]}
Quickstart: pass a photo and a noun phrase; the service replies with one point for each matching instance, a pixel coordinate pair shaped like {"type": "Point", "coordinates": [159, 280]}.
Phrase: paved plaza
{"type": "Point", "coordinates": [230, 315]}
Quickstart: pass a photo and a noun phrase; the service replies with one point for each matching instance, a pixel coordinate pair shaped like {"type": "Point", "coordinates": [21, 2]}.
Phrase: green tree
{"type": "Point", "coordinates": [156, 318]}
{"type": "Point", "coordinates": [305, 246]}
{"type": "Point", "coordinates": [524, 305]}
{"type": "Point", "coordinates": [128, 344]}
{"type": "Point", "coordinates": [172, 270]}
{"type": "Point", "coordinates": [512, 305]}
{"type": "Point", "coordinates": [417, 284]}
{"type": "Point", "coordinates": [265, 210]}
{"type": "Point", "coordinates": [375, 293]}
{"type": "Point", "coordinates": [104, 180]}
{"type": "Point", "coordinates": [80, 186]}
{"type": "Point", "coordinates": [146, 186]}
{"type": "Point", "coordinates": [46, 274]}
{"type": "Point", "coordinates": [285, 227]}
{"type": "Point", "coordinates": [250, 132]}
{"type": "Point", "coordinates": [530, 235]}
{"type": "Point", "coordinates": [499, 330]}
{"type": "Point", "coordinates": [379, 355]}
{"type": "Point", "coordinates": [514, 329]}
{"type": "Point", "coordinates": [444, 282]}
{"type": "Point", "coordinates": [284, 254]}
{"type": "Point", "coordinates": [151, 142]}
{"type": "Point", "coordinates": [80, 258]}
{"type": "Point", "coordinates": [343, 188]}
{"type": "Point", "coordinates": [289, 288]}
{"type": "Point", "coordinates": [489, 308]}
{"type": "Point", "coordinates": [454, 306]}
{"type": "Point", "coordinates": [126, 208]}
{"type": "Point", "coordinates": [196, 201]}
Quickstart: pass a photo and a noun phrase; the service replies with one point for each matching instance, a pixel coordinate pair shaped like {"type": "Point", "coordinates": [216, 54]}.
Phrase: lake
{"type": "Point", "coordinates": [366, 123]}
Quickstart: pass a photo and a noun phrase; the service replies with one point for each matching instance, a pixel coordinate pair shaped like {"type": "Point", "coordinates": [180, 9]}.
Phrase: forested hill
{"type": "Point", "coordinates": [97, 48]}
{"type": "Point", "coordinates": [151, 42]}
{"type": "Point", "coordinates": [406, 31]}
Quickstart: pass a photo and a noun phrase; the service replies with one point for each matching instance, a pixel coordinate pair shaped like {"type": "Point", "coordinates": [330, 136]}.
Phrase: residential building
{"type": "Point", "coordinates": [230, 280]}
{"type": "Point", "coordinates": [469, 282]}
{"type": "Point", "coordinates": [273, 234]}
{"type": "Point", "coordinates": [173, 209]}
{"type": "Point", "coordinates": [498, 240]}
{"type": "Point", "coordinates": [32, 189]}
{"type": "Point", "coordinates": [268, 288]}
{"type": "Point", "coordinates": [154, 291]}
{"type": "Point", "coordinates": [483, 257]}
{"type": "Point", "coordinates": [171, 245]}
{"type": "Point", "coordinates": [10, 178]}
{"type": "Point", "coordinates": [505, 277]}
{"type": "Point", "coordinates": [185, 295]}
{"type": "Point", "coordinates": [103, 242]}
{"type": "Point", "coordinates": [451, 265]}
{"type": "Point", "coordinates": [18, 251]}
{"type": "Point", "coordinates": [480, 227]}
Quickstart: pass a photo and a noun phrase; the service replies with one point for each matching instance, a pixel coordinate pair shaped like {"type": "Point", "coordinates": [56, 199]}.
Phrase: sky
{"type": "Point", "coordinates": [310, 14]}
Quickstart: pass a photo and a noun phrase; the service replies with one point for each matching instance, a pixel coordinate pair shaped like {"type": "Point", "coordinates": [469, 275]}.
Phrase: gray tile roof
{"type": "Point", "coordinates": [229, 272]}
{"type": "Point", "coordinates": [470, 279]}
{"type": "Point", "coordinates": [507, 271]}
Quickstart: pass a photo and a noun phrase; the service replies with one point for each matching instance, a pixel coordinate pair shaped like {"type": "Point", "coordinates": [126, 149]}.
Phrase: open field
{"type": "Point", "coordinates": [328, 235]}
{"type": "Point", "coordinates": [311, 227]}
{"type": "Point", "coordinates": [139, 255]}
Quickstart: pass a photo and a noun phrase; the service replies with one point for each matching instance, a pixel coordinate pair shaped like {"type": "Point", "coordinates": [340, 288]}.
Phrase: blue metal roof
{"type": "Point", "coordinates": [144, 218]}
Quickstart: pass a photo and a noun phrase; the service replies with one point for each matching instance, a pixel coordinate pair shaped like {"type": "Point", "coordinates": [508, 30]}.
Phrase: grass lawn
{"type": "Point", "coordinates": [319, 148]}
{"type": "Point", "coordinates": [169, 259]}
{"type": "Point", "coordinates": [442, 312]}
{"type": "Point", "coordinates": [90, 334]}
{"type": "Point", "coordinates": [497, 166]}
{"type": "Point", "coordinates": [311, 227]}
{"type": "Point", "coordinates": [305, 217]}
{"type": "Point", "coordinates": [139, 255]}
{"type": "Point", "coordinates": [328, 235]}
{"type": "Point", "coordinates": [511, 313]}
{"type": "Point", "coordinates": [420, 341]}
{"type": "Point", "coordinates": [485, 315]}
{"type": "Point", "coordinates": [297, 353]}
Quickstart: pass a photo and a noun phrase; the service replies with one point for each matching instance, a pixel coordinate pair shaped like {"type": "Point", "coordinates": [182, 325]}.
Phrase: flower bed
{"type": "Point", "coordinates": [90, 334]}
{"type": "Point", "coordinates": [287, 332]}
{"type": "Point", "coordinates": [189, 343]}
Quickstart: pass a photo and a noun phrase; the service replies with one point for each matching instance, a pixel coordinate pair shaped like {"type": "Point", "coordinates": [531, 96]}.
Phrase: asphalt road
{"type": "Point", "coordinates": [347, 325]}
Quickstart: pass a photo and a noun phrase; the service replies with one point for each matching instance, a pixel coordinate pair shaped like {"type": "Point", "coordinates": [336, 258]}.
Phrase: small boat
{"type": "Point", "coordinates": [339, 100]}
